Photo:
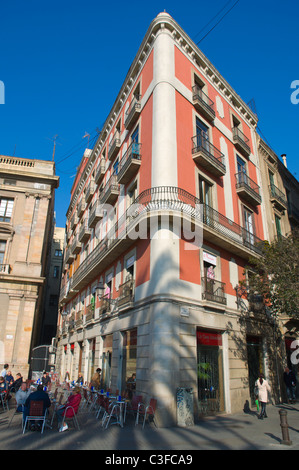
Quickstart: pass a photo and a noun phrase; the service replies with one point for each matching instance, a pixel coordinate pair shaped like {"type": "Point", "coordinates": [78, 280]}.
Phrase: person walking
{"type": "Point", "coordinates": [290, 383]}
{"type": "Point", "coordinates": [263, 388]}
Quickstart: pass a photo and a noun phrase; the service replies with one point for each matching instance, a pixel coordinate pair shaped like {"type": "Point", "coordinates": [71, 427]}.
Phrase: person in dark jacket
{"type": "Point", "coordinates": [46, 380]}
{"type": "Point", "coordinates": [9, 378]}
{"type": "Point", "coordinates": [14, 387]}
{"type": "Point", "coordinates": [39, 395]}
{"type": "Point", "coordinates": [290, 383]}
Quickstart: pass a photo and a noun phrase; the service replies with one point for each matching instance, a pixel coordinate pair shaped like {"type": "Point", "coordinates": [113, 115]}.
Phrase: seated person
{"type": "Point", "coordinates": [14, 387]}
{"type": "Point", "coordinates": [80, 379]}
{"type": "Point", "coordinates": [21, 396]}
{"type": "Point", "coordinates": [2, 384]}
{"type": "Point", "coordinates": [9, 378]}
{"type": "Point", "coordinates": [73, 400]}
{"type": "Point", "coordinates": [46, 380]}
{"type": "Point", "coordinates": [131, 385]}
{"type": "Point", "coordinates": [39, 395]}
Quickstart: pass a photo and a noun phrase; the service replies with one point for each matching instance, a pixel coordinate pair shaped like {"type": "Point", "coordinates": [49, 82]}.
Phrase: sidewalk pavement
{"type": "Point", "coordinates": [241, 431]}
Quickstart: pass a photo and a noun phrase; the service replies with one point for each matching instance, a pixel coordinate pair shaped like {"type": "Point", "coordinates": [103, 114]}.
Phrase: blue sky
{"type": "Point", "coordinates": [63, 63]}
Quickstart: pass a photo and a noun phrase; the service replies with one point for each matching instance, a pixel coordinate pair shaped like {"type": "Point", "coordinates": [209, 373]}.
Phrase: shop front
{"type": "Point", "coordinates": [210, 372]}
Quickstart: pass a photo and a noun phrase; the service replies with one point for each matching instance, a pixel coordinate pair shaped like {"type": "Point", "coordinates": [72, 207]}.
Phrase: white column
{"type": "Point", "coordinates": [164, 149]}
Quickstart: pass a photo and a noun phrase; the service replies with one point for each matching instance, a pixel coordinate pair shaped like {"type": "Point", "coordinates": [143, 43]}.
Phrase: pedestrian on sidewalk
{"type": "Point", "coordinates": [290, 383]}
{"type": "Point", "coordinates": [263, 388]}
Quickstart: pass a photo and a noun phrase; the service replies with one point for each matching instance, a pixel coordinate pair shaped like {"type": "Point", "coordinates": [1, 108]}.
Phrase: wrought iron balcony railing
{"type": "Point", "coordinates": [247, 188]}
{"type": "Point", "coordinates": [130, 163]}
{"type": "Point", "coordinates": [213, 291]}
{"type": "Point", "coordinates": [126, 293]}
{"type": "Point", "coordinates": [278, 197]}
{"type": "Point", "coordinates": [133, 111]}
{"type": "Point", "coordinates": [114, 146]}
{"type": "Point", "coordinates": [241, 141]}
{"type": "Point", "coordinates": [207, 155]}
{"type": "Point", "coordinates": [180, 203]}
{"type": "Point", "coordinates": [203, 103]}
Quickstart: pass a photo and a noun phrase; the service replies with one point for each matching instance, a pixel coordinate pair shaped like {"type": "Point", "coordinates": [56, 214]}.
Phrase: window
{"type": "Point", "coordinates": [278, 226]}
{"type": "Point", "coordinates": [115, 167]}
{"type": "Point", "coordinates": [248, 225]}
{"type": "Point", "coordinates": [2, 251]}
{"type": "Point", "coordinates": [58, 253]}
{"type": "Point", "coordinates": [205, 191]}
{"type": "Point", "coordinates": [241, 171]}
{"type": "Point", "coordinates": [132, 193]}
{"type": "Point", "coordinates": [53, 301]}
{"type": "Point", "coordinates": [56, 272]}
{"type": "Point", "coordinates": [6, 206]}
{"type": "Point", "coordinates": [202, 134]}
{"type": "Point", "coordinates": [271, 178]}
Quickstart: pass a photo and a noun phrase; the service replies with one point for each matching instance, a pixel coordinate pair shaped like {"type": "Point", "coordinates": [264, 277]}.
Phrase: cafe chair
{"type": "Point", "coordinates": [132, 406]}
{"type": "Point", "coordinates": [73, 417]}
{"type": "Point", "coordinates": [4, 400]}
{"type": "Point", "coordinates": [146, 411]}
{"type": "Point", "coordinates": [36, 413]}
{"type": "Point", "coordinates": [17, 411]}
{"type": "Point", "coordinates": [56, 405]}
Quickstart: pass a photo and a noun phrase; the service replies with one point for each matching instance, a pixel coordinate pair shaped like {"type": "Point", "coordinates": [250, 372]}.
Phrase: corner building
{"type": "Point", "coordinates": [178, 137]}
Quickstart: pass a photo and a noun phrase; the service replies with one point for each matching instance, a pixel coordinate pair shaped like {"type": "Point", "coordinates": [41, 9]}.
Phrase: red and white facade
{"type": "Point", "coordinates": [138, 294]}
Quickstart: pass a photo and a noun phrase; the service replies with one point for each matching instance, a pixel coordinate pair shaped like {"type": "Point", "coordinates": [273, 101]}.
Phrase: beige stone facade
{"type": "Point", "coordinates": [26, 214]}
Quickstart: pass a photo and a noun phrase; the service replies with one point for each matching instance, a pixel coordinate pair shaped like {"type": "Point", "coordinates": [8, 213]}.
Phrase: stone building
{"type": "Point", "coordinates": [165, 212]}
{"type": "Point", "coordinates": [26, 214]}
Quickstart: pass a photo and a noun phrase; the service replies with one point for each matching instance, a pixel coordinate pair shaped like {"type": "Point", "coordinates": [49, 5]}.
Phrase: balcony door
{"type": "Point", "coordinates": [202, 135]}
{"type": "Point", "coordinates": [205, 197]}
{"type": "Point", "coordinates": [241, 171]}
{"type": "Point", "coordinates": [248, 225]}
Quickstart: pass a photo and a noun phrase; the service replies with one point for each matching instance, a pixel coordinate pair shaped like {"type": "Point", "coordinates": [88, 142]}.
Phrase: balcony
{"type": "Point", "coordinates": [248, 189]}
{"type": "Point", "coordinates": [90, 191]}
{"type": "Point", "coordinates": [69, 256]}
{"type": "Point", "coordinates": [126, 295]}
{"type": "Point", "coordinates": [67, 291]}
{"type": "Point", "coordinates": [179, 205]}
{"type": "Point", "coordinates": [89, 314]}
{"type": "Point", "coordinates": [278, 198]}
{"type": "Point", "coordinates": [74, 221]}
{"type": "Point", "coordinates": [79, 319]}
{"type": "Point", "coordinates": [84, 232]}
{"type": "Point", "coordinates": [129, 164]}
{"type": "Point", "coordinates": [100, 172]}
{"type": "Point", "coordinates": [241, 142]}
{"type": "Point", "coordinates": [76, 246]}
{"type": "Point", "coordinates": [203, 104]}
{"type": "Point", "coordinates": [133, 112]}
{"type": "Point", "coordinates": [105, 305]}
{"type": "Point", "coordinates": [213, 291]}
{"type": "Point", "coordinates": [207, 155]}
{"type": "Point", "coordinates": [95, 214]}
{"type": "Point", "coordinates": [81, 207]}
{"type": "Point", "coordinates": [114, 146]}
{"type": "Point", "coordinates": [110, 192]}
{"type": "Point", "coordinates": [5, 268]}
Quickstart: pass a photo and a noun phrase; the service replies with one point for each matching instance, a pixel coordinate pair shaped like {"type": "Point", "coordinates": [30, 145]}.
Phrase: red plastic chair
{"type": "Point", "coordinates": [146, 411]}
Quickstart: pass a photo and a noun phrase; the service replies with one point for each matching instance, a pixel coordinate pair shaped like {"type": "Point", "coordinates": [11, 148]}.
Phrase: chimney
{"type": "Point", "coordinates": [284, 158]}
